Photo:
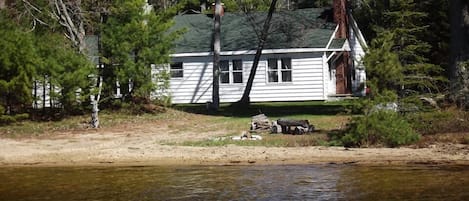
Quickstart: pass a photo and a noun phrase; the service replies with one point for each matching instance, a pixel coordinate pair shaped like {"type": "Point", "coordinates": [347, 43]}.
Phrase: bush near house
{"type": "Point", "coordinates": [377, 129]}
{"type": "Point", "coordinates": [446, 121]}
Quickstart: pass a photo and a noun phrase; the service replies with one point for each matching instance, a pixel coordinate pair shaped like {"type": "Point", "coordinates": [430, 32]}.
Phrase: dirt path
{"type": "Point", "coordinates": [147, 144]}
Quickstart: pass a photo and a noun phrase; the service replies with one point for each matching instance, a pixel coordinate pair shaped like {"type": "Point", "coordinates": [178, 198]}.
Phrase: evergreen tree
{"type": "Point", "coordinates": [134, 38]}
{"type": "Point", "coordinates": [38, 54]}
{"type": "Point", "coordinates": [17, 67]}
{"type": "Point", "coordinates": [408, 24]}
{"type": "Point", "coordinates": [64, 68]}
{"type": "Point", "coordinates": [384, 70]}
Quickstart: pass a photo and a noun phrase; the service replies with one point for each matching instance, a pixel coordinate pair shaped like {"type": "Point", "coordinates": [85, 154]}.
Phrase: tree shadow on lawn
{"type": "Point", "coordinates": [271, 109]}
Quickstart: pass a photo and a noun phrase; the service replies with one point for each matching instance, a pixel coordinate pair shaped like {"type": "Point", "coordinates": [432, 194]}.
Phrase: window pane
{"type": "Point", "coordinates": [176, 65]}
{"type": "Point", "coordinates": [177, 73]}
{"type": "Point", "coordinates": [224, 65]}
{"type": "Point", "coordinates": [237, 65]}
{"type": "Point", "coordinates": [286, 76]}
{"type": "Point", "coordinates": [225, 77]}
{"type": "Point", "coordinates": [286, 63]}
{"type": "Point", "coordinates": [176, 70]}
{"type": "Point", "coordinates": [273, 76]}
{"type": "Point", "coordinates": [237, 77]}
{"type": "Point", "coordinates": [272, 63]}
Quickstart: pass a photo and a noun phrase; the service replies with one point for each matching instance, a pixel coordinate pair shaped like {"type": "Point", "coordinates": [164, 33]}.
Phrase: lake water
{"type": "Point", "coordinates": [278, 182]}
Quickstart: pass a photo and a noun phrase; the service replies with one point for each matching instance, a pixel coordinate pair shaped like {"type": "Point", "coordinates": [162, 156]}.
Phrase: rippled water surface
{"type": "Point", "coordinates": [298, 182]}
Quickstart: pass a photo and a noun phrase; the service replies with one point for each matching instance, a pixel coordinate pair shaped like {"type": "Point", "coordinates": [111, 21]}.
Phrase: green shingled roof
{"type": "Point", "coordinates": [290, 29]}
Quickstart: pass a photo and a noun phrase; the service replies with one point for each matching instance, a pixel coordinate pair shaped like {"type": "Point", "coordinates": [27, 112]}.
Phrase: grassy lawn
{"type": "Point", "coordinates": [268, 140]}
{"type": "Point", "coordinates": [194, 118]}
{"type": "Point", "coordinates": [79, 123]}
{"type": "Point", "coordinates": [323, 115]}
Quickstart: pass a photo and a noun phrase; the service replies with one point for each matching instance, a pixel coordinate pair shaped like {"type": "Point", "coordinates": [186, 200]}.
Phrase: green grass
{"type": "Point", "coordinates": [78, 123]}
{"type": "Point", "coordinates": [325, 116]}
{"type": "Point", "coordinates": [230, 121]}
{"type": "Point", "coordinates": [269, 140]}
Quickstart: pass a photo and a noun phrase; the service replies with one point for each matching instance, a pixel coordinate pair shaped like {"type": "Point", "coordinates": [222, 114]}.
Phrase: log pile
{"type": "Point", "coordinates": [292, 126]}
{"type": "Point", "coordinates": [260, 123]}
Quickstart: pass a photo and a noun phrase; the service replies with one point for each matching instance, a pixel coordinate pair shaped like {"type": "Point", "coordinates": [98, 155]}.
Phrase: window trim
{"type": "Point", "coordinates": [279, 70]}
{"type": "Point", "coordinates": [224, 71]}
{"type": "Point", "coordinates": [231, 72]}
{"type": "Point", "coordinates": [171, 70]}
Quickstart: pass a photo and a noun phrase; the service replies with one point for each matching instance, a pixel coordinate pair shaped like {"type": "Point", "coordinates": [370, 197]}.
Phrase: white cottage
{"type": "Point", "coordinates": [306, 57]}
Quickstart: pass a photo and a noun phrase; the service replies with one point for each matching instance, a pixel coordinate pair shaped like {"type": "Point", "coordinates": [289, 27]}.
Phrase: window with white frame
{"type": "Point", "coordinates": [272, 70]}
{"type": "Point", "coordinates": [176, 70]}
{"type": "Point", "coordinates": [225, 72]}
{"type": "Point", "coordinates": [279, 70]}
{"type": "Point", "coordinates": [231, 72]}
{"type": "Point", "coordinates": [286, 69]}
{"type": "Point", "coordinates": [237, 71]}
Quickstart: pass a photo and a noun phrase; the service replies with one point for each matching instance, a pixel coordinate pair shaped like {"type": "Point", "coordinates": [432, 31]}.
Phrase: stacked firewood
{"type": "Point", "coordinates": [260, 122]}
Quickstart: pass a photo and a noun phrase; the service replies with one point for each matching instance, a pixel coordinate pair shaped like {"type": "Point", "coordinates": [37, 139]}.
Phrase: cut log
{"type": "Point", "coordinates": [275, 129]}
{"type": "Point", "coordinates": [292, 126]}
{"type": "Point", "coordinates": [260, 122]}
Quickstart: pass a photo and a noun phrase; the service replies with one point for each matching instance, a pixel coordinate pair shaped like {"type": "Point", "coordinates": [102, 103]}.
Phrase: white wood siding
{"type": "Point", "coordinates": [358, 45]}
{"type": "Point", "coordinates": [196, 84]}
{"type": "Point", "coordinates": [42, 95]}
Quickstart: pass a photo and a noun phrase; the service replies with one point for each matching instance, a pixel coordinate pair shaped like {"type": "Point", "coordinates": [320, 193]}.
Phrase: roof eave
{"type": "Point", "coordinates": [265, 51]}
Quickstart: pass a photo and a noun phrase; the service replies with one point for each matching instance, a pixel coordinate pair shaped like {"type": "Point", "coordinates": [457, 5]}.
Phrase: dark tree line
{"type": "Point", "coordinates": [44, 45]}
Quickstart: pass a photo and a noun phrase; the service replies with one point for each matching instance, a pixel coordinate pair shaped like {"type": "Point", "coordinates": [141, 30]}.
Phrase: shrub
{"type": "Point", "coordinates": [449, 121]}
{"type": "Point", "coordinates": [381, 128]}
{"type": "Point", "coordinates": [9, 119]}
{"type": "Point", "coordinates": [6, 119]}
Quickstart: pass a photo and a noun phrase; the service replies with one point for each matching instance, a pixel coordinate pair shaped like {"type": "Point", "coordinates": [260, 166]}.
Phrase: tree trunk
{"type": "Point", "coordinates": [459, 10]}
{"type": "Point", "coordinates": [459, 38]}
{"type": "Point", "coordinates": [265, 31]}
{"type": "Point", "coordinates": [70, 16]}
{"type": "Point", "coordinates": [216, 57]}
{"type": "Point", "coordinates": [95, 104]}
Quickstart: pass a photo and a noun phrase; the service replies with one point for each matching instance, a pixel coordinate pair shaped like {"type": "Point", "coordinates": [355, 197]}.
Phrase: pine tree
{"type": "Point", "coordinates": [17, 67]}
{"type": "Point", "coordinates": [408, 25]}
{"type": "Point", "coordinates": [65, 69]}
{"type": "Point", "coordinates": [133, 39]}
{"type": "Point", "coordinates": [384, 70]}
{"type": "Point", "coordinates": [407, 22]}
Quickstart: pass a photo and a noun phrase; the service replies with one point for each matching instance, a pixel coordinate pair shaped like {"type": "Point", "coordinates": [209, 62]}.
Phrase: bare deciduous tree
{"type": "Point", "coordinates": [70, 16]}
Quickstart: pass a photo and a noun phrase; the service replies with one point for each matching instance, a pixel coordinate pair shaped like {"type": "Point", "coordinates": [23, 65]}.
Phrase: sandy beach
{"type": "Point", "coordinates": [154, 144]}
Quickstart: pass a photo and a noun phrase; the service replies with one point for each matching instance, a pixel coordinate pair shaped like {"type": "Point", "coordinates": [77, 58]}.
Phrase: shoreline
{"type": "Point", "coordinates": [156, 144]}
{"type": "Point", "coordinates": [167, 155]}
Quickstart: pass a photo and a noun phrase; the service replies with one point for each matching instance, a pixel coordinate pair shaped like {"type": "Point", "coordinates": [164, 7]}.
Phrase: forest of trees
{"type": "Point", "coordinates": [415, 48]}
